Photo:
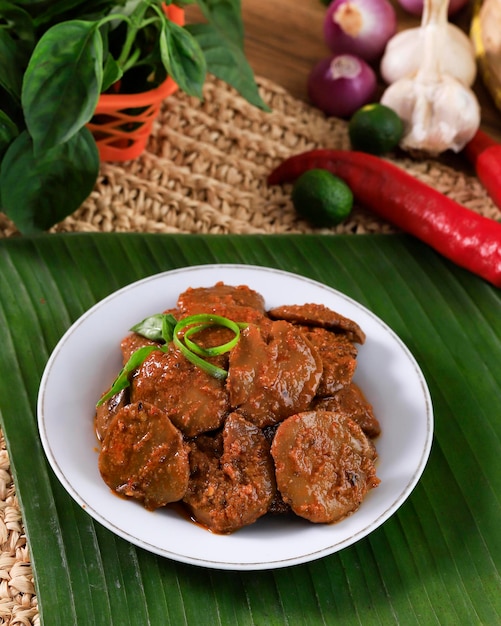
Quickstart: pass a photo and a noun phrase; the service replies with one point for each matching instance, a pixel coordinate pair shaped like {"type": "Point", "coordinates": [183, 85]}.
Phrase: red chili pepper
{"type": "Point", "coordinates": [463, 236]}
{"type": "Point", "coordinates": [485, 155]}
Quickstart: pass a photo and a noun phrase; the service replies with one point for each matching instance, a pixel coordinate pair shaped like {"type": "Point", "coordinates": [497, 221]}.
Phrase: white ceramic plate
{"type": "Point", "coordinates": [87, 358]}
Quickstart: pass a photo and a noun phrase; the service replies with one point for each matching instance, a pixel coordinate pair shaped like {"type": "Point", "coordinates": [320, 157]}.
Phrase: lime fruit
{"type": "Point", "coordinates": [375, 128]}
{"type": "Point", "coordinates": [322, 198]}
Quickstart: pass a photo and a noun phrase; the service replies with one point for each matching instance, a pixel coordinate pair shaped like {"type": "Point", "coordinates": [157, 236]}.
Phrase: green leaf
{"type": "Point", "coordinates": [228, 62]}
{"type": "Point", "coordinates": [168, 324]}
{"type": "Point", "coordinates": [225, 16]}
{"type": "Point", "coordinates": [49, 12]}
{"type": "Point", "coordinates": [36, 3]}
{"type": "Point", "coordinates": [62, 83]}
{"type": "Point", "coordinates": [8, 132]}
{"type": "Point", "coordinates": [11, 65]}
{"type": "Point", "coordinates": [158, 327]}
{"type": "Point", "coordinates": [183, 58]}
{"type": "Point", "coordinates": [112, 73]}
{"type": "Point", "coordinates": [18, 21]}
{"type": "Point", "coordinates": [39, 191]}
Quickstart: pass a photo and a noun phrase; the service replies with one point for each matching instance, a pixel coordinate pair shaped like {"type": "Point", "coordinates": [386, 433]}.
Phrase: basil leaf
{"type": "Point", "coordinates": [158, 327]}
{"type": "Point", "coordinates": [150, 327]}
{"type": "Point", "coordinates": [62, 82]}
{"type": "Point", "coordinates": [168, 324]}
{"type": "Point", "coordinates": [54, 184]}
{"type": "Point", "coordinates": [122, 380]}
{"type": "Point", "coordinates": [227, 61]}
{"type": "Point", "coordinates": [182, 58]}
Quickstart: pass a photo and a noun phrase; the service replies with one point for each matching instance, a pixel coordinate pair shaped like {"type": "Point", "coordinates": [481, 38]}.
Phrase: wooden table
{"type": "Point", "coordinates": [284, 40]}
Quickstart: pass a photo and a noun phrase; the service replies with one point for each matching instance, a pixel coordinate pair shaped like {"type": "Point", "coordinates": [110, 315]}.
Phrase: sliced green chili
{"type": "Point", "coordinates": [196, 323]}
{"type": "Point", "coordinates": [164, 328]}
{"type": "Point", "coordinates": [192, 351]}
{"type": "Point", "coordinates": [122, 380]}
{"type": "Point", "coordinates": [209, 368]}
{"type": "Point", "coordinates": [194, 347]}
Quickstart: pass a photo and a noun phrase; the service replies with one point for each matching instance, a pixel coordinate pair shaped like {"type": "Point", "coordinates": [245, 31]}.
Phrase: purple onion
{"type": "Point", "coordinates": [359, 27]}
{"type": "Point", "coordinates": [341, 84]}
{"type": "Point", "coordinates": [415, 7]}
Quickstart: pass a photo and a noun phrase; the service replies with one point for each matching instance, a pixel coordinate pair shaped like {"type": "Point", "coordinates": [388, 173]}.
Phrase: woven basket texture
{"type": "Point", "coordinates": [204, 171]}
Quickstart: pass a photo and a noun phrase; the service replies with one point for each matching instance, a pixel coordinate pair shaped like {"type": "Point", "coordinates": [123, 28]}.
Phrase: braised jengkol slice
{"type": "Point", "coordinates": [107, 411]}
{"type": "Point", "coordinates": [240, 303]}
{"type": "Point", "coordinates": [350, 401]}
{"type": "Point", "coordinates": [143, 456]}
{"type": "Point", "coordinates": [232, 480]}
{"type": "Point", "coordinates": [318, 315]}
{"type": "Point", "coordinates": [273, 374]}
{"type": "Point", "coordinates": [339, 358]}
{"type": "Point", "coordinates": [324, 465]}
{"type": "Point", "coordinates": [194, 401]}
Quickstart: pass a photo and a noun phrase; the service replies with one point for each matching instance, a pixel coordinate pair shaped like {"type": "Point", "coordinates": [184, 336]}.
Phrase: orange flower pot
{"type": "Point", "coordinates": [122, 123]}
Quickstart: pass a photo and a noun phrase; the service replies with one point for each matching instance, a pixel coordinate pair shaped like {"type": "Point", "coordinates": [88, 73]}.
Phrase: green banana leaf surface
{"type": "Point", "coordinates": [435, 561]}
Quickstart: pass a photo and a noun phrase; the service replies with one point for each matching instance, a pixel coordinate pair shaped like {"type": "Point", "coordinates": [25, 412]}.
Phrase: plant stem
{"type": "Point", "coordinates": [132, 61]}
{"type": "Point", "coordinates": [134, 24]}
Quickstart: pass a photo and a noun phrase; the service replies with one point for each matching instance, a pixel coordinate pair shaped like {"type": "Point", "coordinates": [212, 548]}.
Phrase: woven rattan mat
{"type": "Point", "coordinates": [205, 168]}
{"type": "Point", "coordinates": [204, 171]}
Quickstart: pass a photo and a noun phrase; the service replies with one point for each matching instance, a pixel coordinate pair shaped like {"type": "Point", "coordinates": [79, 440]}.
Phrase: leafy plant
{"type": "Point", "coordinates": [56, 58]}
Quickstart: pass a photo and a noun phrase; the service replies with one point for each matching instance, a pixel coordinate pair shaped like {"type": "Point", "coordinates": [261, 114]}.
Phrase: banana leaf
{"type": "Point", "coordinates": [436, 561]}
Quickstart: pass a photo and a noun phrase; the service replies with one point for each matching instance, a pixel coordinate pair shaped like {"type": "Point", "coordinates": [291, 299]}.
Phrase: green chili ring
{"type": "Point", "coordinates": [192, 351]}
{"type": "Point", "coordinates": [215, 350]}
{"type": "Point", "coordinates": [209, 368]}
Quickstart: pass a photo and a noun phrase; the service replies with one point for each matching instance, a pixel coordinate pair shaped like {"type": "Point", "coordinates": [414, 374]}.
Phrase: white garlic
{"type": "Point", "coordinates": [439, 112]}
{"type": "Point", "coordinates": [405, 50]}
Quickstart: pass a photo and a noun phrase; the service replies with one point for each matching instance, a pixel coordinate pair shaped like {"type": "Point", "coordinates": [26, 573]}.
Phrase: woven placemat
{"type": "Point", "coordinates": [205, 168]}
{"type": "Point", "coordinates": [18, 602]}
{"type": "Point", "coordinates": [204, 171]}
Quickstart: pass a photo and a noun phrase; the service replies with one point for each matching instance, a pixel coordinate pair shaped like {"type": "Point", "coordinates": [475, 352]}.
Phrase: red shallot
{"type": "Point", "coordinates": [340, 85]}
{"type": "Point", "coordinates": [415, 7]}
{"type": "Point", "coordinates": [359, 27]}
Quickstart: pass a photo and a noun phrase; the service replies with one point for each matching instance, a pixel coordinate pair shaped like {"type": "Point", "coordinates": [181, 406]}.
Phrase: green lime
{"type": "Point", "coordinates": [322, 198]}
{"type": "Point", "coordinates": [375, 128]}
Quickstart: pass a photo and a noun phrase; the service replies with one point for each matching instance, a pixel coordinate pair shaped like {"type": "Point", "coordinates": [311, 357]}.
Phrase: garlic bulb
{"type": "Point", "coordinates": [405, 50]}
{"type": "Point", "coordinates": [439, 111]}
